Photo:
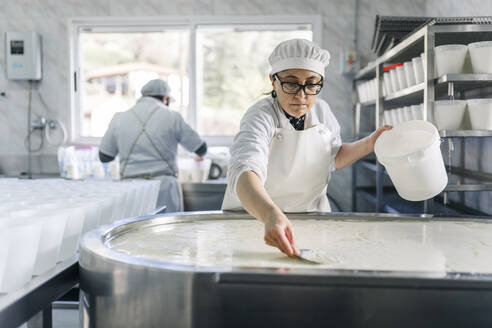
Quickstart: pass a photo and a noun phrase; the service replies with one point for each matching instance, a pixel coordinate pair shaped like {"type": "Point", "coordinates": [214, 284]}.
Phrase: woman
{"type": "Point", "coordinates": [288, 144]}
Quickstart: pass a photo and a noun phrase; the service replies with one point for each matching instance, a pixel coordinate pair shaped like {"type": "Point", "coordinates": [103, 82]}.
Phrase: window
{"type": "Point", "coordinates": [216, 67]}
{"type": "Point", "coordinates": [232, 72]}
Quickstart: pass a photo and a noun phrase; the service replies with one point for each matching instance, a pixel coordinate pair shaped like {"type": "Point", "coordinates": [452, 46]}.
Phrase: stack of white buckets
{"type": "Point", "coordinates": [41, 221]}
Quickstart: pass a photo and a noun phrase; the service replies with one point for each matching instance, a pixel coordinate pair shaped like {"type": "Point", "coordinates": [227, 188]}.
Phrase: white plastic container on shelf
{"type": "Point", "coordinates": [4, 243]}
{"type": "Point", "coordinates": [448, 114]}
{"type": "Point", "coordinates": [394, 117]}
{"type": "Point", "coordinates": [387, 117]}
{"type": "Point", "coordinates": [417, 112]}
{"type": "Point", "coordinates": [402, 79]}
{"type": "Point", "coordinates": [407, 113]}
{"type": "Point", "coordinates": [23, 239]}
{"type": "Point", "coordinates": [418, 69]}
{"type": "Point", "coordinates": [400, 114]}
{"type": "Point", "coordinates": [411, 154]}
{"type": "Point", "coordinates": [360, 93]}
{"type": "Point", "coordinates": [480, 111]}
{"type": "Point", "coordinates": [409, 73]}
{"type": "Point", "coordinates": [481, 56]}
{"type": "Point", "coordinates": [394, 80]}
{"type": "Point", "coordinates": [387, 83]}
{"type": "Point", "coordinates": [450, 58]}
{"type": "Point", "coordinates": [374, 84]}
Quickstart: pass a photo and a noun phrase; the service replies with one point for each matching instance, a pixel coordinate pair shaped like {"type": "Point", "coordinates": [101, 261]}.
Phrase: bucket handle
{"type": "Point", "coordinates": [421, 153]}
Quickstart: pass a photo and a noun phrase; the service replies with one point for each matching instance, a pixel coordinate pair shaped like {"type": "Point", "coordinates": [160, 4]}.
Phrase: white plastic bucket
{"type": "Point", "coordinates": [394, 80]}
{"type": "Point", "coordinates": [450, 58]}
{"type": "Point", "coordinates": [417, 112]}
{"type": "Point", "coordinates": [411, 154]}
{"type": "Point", "coordinates": [481, 56]}
{"type": "Point", "coordinates": [388, 83]}
{"type": "Point", "coordinates": [409, 73]}
{"type": "Point", "coordinates": [402, 79]}
{"type": "Point", "coordinates": [387, 118]}
{"type": "Point", "coordinates": [418, 69]}
{"type": "Point", "coordinates": [480, 113]}
{"type": "Point", "coordinates": [448, 114]}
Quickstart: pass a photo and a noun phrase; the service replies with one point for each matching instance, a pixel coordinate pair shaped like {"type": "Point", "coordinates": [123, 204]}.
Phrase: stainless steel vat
{"type": "Point", "coordinates": [119, 290]}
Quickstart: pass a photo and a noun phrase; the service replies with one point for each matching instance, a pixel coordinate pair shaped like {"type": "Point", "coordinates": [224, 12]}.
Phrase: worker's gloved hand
{"type": "Point", "coordinates": [375, 135]}
{"type": "Point", "coordinates": [198, 158]}
{"type": "Point", "coordinates": [278, 233]}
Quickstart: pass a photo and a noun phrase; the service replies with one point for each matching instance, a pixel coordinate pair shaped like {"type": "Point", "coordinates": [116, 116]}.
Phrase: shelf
{"type": "Point", "coordinates": [465, 133]}
{"type": "Point", "coordinates": [415, 93]}
{"type": "Point", "coordinates": [469, 187]}
{"type": "Point", "coordinates": [455, 171]}
{"type": "Point", "coordinates": [413, 45]}
{"type": "Point", "coordinates": [412, 94]}
{"type": "Point", "coordinates": [396, 205]}
{"type": "Point", "coordinates": [469, 174]}
{"type": "Point", "coordinates": [465, 79]}
{"type": "Point", "coordinates": [368, 103]}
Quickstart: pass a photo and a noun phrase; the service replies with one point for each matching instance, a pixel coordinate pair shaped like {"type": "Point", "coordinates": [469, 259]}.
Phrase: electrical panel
{"type": "Point", "coordinates": [23, 55]}
{"type": "Point", "coordinates": [350, 62]}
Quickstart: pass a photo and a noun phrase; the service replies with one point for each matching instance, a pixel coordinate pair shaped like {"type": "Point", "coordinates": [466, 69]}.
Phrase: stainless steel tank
{"type": "Point", "coordinates": [120, 290]}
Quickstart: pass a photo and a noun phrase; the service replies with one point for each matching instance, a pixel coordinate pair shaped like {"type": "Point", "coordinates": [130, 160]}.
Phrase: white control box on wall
{"type": "Point", "coordinates": [23, 55]}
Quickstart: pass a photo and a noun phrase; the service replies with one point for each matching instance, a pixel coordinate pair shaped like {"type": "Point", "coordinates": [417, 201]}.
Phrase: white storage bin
{"type": "Point", "coordinates": [417, 112]}
{"type": "Point", "coordinates": [387, 83]}
{"type": "Point", "coordinates": [448, 114]}
{"type": "Point", "coordinates": [53, 227]}
{"type": "Point", "coordinates": [450, 58]}
{"type": "Point", "coordinates": [23, 239]}
{"type": "Point", "coordinates": [394, 80]}
{"type": "Point", "coordinates": [402, 79]}
{"type": "Point", "coordinates": [400, 114]}
{"type": "Point", "coordinates": [4, 244]}
{"type": "Point", "coordinates": [481, 56]}
{"type": "Point", "coordinates": [407, 113]}
{"type": "Point", "coordinates": [418, 69]}
{"type": "Point", "coordinates": [409, 73]}
{"type": "Point", "coordinates": [480, 111]}
{"type": "Point", "coordinates": [387, 117]}
{"type": "Point", "coordinates": [394, 116]}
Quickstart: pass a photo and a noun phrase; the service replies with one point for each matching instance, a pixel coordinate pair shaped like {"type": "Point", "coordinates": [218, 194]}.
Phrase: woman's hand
{"type": "Point", "coordinates": [375, 135]}
{"type": "Point", "coordinates": [278, 233]}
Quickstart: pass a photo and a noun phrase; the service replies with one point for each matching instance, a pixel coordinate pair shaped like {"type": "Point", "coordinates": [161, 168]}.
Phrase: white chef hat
{"type": "Point", "coordinates": [157, 87]}
{"type": "Point", "coordinates": [299, 53]}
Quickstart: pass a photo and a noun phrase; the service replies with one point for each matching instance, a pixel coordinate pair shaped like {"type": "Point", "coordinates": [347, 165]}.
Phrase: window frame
{"type": "Point", "coordinates": [156, 24]}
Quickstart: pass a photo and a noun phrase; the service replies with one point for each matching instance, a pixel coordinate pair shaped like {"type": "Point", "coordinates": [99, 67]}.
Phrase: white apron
{"type": "Point", "coordinates": [297, 171]}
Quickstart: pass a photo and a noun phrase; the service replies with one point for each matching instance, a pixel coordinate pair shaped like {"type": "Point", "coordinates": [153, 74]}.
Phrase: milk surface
{"type": "Point", "coordinates": [438, 246]}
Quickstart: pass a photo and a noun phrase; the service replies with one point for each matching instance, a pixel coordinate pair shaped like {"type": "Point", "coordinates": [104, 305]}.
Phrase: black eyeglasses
{"type": "Point", "coordinates": [293, 88]}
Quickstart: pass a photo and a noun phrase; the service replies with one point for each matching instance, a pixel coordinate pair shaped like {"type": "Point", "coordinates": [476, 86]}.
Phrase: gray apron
{"type": "Point", "coordinates": [170, 193]}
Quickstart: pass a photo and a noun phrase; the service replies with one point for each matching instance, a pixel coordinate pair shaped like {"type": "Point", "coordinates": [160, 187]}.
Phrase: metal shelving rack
{"type": "Point", "coordinates": [425, 40]}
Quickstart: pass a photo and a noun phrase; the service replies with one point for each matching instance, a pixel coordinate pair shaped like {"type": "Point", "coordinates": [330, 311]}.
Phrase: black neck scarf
{"type": "Point", "coordinates": [297, 123]}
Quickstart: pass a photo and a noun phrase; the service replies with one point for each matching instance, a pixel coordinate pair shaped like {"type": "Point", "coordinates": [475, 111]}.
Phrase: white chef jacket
{"type": "Point", "coordinates": [249, 151]}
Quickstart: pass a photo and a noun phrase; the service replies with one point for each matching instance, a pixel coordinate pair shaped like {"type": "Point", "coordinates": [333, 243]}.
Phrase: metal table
{"type": "Point", "coordinates": [19, 306]}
